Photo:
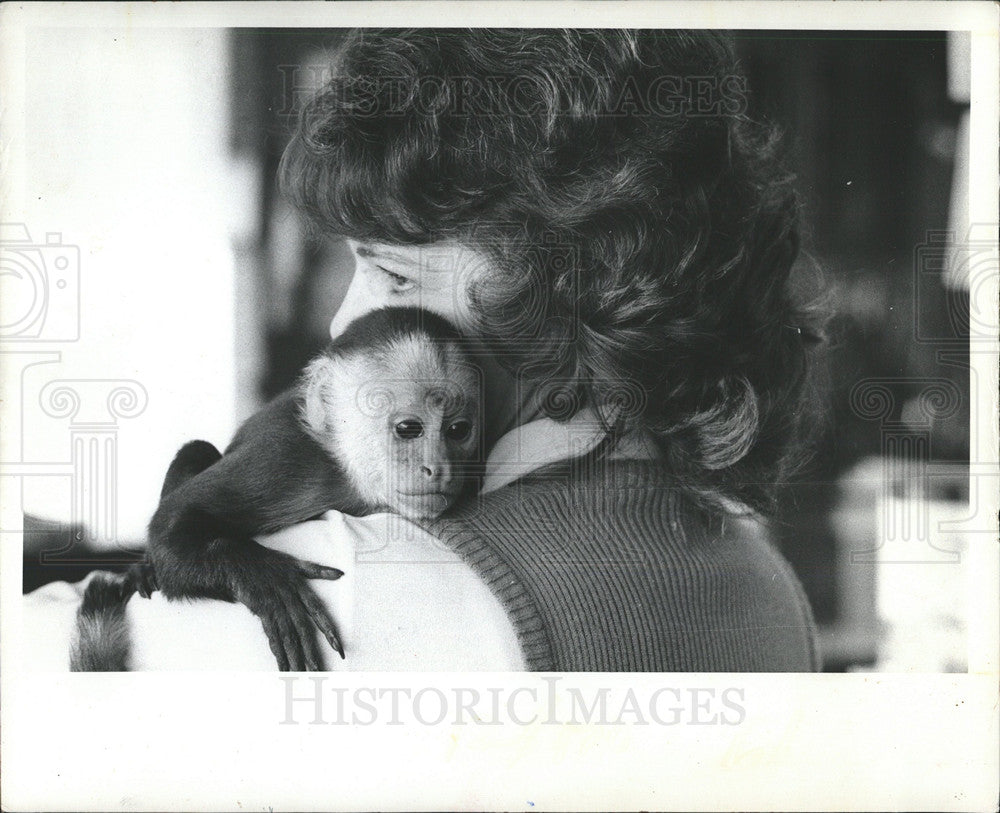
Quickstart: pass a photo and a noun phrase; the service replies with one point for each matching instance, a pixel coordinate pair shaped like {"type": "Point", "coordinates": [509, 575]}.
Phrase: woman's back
{"type": "Point", "coordinates": [609, 568]}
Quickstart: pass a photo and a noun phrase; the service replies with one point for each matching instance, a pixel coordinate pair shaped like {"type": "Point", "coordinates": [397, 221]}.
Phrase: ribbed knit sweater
{"type": "Point", "coordinates": [610, 568]}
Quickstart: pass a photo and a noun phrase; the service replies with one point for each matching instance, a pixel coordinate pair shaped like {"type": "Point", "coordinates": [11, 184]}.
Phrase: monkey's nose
{"type": "Point", "coordinates": [436, 470]}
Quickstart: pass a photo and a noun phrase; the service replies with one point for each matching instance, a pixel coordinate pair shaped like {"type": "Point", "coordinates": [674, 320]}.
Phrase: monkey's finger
{"type": "Point", "coordinates": [290, 639]}
{"type": "Point", "coordinates": [311, 570]}
{"type": "Point", "coordinates": [323, 620]}
{"type": "Point", "coordinates": [274, 641]}
{"type": "Point", "coordinates": [307, 638]}
{"type": "Point", "coordinates": [145, 581]}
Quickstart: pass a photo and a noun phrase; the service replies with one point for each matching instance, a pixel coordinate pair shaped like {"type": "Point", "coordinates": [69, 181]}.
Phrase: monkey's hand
{"type": "Point", "coordinates": [275, 588]}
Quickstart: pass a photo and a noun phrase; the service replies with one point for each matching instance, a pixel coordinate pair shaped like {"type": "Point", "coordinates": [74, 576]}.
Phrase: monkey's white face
{"type": "Point", "coordinates": [435, 277]}
{"type": "Point", "coordinates": [403, 424]}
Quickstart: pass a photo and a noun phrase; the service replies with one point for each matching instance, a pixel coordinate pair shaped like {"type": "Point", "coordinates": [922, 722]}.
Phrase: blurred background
{"type": "Point", "coordinates": [150, 171]}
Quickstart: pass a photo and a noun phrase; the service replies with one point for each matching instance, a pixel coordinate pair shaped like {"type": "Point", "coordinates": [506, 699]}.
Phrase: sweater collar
{"type": "Point", "coordinates": [541, 442]}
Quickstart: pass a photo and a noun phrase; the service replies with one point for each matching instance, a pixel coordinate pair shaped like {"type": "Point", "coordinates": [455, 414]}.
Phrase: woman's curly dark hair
{"type": "Point", "coordinates": [642, 228]}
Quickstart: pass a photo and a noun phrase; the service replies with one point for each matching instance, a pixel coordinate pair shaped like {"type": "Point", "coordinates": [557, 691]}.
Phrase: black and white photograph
{"type": "Point", "coordinates": [499, 406]}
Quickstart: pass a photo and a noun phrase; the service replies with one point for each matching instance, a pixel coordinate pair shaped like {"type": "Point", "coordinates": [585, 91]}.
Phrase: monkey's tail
{"type": "Point", "coordinates": [102, 641]}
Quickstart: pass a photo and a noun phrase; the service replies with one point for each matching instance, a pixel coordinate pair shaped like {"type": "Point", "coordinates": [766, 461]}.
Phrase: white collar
{"type": "Point", "coordinates": [535, 444]}
{"type": "Point", "coordinates": [538, 443]}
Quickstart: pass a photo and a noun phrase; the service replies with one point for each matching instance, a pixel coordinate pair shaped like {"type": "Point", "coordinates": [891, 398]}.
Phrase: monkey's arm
{"type": "Point", "coordinates": [192, 459]}
{"type": "Point", "coordinates": [201, 537]}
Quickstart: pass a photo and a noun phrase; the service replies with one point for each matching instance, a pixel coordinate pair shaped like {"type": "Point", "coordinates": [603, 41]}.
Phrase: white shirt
{"type": "Point", "coordinates": [405, 602]}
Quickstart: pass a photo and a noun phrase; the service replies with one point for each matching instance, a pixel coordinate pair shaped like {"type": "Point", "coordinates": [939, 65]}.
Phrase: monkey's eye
{"type": "Point", "coordinates": [458, 430]}
{"type": "Point", "coordinates": [408, 429]}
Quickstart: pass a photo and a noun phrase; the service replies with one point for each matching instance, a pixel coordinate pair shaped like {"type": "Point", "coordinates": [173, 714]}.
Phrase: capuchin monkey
{"type": "Point", "coordinates": [386, 419]}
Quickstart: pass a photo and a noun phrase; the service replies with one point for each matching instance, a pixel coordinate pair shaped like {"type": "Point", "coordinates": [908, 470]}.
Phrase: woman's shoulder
{"type": "Point", "coordinates": [626, 505]}
{"type": "Point", "coordinates": [647, 579]}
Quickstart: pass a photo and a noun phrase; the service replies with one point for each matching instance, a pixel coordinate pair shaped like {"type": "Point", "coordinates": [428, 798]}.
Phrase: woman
{"type": "Point", "coordinates": [596, 208]}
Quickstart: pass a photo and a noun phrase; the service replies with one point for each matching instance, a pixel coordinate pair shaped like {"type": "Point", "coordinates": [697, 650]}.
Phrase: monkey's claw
{"type": "Point", "coordinates": [143, 578]}
{"type": "Point", "coordinates": [275, 588]}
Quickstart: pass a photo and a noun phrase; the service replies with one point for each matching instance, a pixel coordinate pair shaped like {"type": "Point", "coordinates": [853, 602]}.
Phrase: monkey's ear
{"type": "Point", "coordinates": [315, 408]}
